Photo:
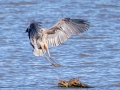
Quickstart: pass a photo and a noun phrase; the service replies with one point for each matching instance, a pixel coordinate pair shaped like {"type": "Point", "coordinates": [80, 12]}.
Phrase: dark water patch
{"type": "Point", "coordinates": [93, 37]}
{"type": "Point", "coordinates": [84, 55]}
{"type": "Point", "coordinates": [117, 85]}
{"type": "Point", "coordinates": [107, 6]}
{"type": "Point", "coordinates": [88, 62]}
{"type": "Point", "coordinates": [22, 3]}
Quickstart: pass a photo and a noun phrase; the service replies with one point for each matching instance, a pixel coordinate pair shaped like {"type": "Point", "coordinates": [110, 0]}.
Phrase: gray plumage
{"type": "Point", "coordinates": [64, 28]}
{"type": "Point", "coordinates": [40, 38]}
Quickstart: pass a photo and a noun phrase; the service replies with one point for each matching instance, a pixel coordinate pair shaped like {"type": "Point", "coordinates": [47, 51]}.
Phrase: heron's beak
{"type": "Point", "coordinates": [26, 30]}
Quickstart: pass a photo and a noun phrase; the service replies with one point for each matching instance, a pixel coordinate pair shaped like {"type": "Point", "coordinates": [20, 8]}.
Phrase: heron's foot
{"type": "Point", "coordinates": [56, 65]}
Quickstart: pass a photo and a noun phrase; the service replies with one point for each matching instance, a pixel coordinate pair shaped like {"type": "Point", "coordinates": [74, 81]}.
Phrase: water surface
{"type": "Point", "coordinates": [92, 57]}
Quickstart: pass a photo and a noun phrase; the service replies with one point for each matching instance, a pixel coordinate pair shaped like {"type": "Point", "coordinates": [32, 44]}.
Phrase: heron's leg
{"type": "Point", "coordinates": [51, 61]}
{"type": "Point", "coordinates": [50, 56]}
{"type": "Point", "coordinates": [43, 50]}
{"type": "Point", "coordinates": [47, 49]}
{"type": "Point", "coordinates": [48, 59]}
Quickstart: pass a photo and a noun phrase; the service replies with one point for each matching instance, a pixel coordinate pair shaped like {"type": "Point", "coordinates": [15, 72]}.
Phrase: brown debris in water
{"type": "Point", "coordinates": [72, 83]}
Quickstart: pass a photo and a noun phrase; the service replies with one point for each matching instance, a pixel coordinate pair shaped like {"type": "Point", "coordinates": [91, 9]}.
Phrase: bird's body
{"type": "Point", "coordinates": [41, 38]}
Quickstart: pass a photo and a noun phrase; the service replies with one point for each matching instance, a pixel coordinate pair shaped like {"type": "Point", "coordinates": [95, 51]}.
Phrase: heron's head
{"type": "Point", "coordinates": [29, 25]}
{"type": "Point", "coordinates": [32, 24]}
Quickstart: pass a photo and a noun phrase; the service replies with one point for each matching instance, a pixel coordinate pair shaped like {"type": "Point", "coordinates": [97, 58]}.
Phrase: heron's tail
{"type": "Point", "coordinates": [38, 52]}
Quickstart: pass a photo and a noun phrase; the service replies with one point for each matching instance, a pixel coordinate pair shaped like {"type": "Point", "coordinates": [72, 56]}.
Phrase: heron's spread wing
{"type": "Point", "coordinates": [64, 28]}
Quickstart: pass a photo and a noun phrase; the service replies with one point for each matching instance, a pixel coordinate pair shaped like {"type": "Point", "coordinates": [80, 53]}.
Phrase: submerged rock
{"type": "Point", "coordinates": [72, 83]}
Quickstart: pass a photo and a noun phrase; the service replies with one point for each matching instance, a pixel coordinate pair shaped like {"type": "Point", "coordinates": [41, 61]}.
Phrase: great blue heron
{"type": "Point", "coordinates": [40, 38]}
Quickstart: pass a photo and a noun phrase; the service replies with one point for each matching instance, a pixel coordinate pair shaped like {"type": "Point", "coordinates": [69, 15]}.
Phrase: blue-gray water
{"type": "Point", "coordinates": [93, 57]}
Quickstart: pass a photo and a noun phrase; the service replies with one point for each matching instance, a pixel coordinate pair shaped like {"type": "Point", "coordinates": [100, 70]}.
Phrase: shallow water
{"type": "Point", "coordinates": [93, 57]}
